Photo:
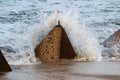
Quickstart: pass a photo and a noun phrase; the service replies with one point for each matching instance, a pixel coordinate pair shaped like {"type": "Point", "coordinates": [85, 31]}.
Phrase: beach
{"type": "Point", "coordinates": [64, 70]}
{"type": "Point", "coordinates": [88, 24]}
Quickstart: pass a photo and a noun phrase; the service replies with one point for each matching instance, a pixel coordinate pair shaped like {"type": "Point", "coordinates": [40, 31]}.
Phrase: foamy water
{"type": "Point", "coordinates": [24, 23]}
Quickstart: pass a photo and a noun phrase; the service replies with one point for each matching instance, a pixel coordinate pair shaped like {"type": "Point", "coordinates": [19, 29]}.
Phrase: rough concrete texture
{"type": "Point", "coordinates": [55, 46]}
{"type": "Point", "coordinates": [49, 48]}
{"type": "Point", "coordinates": [4, 66]}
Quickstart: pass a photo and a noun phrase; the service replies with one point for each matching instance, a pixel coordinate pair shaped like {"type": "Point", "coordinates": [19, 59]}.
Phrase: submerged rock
{"type": "Point", "coordinates": [112, 45]}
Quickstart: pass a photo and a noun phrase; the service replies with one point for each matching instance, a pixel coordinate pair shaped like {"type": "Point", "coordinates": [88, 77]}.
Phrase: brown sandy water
{"type": "Point", "coordinates": [65, 70]}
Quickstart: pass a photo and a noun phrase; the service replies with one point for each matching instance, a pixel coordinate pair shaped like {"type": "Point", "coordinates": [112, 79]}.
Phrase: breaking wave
{"type": "Point", "coordinates": [85, 44]}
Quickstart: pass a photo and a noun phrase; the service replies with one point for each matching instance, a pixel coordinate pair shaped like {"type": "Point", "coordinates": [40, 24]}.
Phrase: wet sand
{"type": "Point", "coordinates": [65, 70]}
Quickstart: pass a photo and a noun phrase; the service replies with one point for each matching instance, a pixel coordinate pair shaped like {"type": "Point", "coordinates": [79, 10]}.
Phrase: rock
{"type": "Point", "coordinates": [112, 44]}
{"type": "Point", "coordinates": [55, 46]}
{"type": "Point", "coordinates": [4, 66]}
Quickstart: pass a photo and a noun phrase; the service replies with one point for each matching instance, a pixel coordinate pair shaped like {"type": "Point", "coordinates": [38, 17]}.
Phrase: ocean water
{"type": "Point", "coordinates": [24, 23]}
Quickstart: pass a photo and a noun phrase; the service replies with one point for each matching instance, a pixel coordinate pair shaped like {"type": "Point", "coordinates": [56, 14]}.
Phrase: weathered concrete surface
{"type": "Point", "coordinates": [55, 46]}
{"type": "Point", "coordinates": [49, 48]}
{"type": "Point", "coordinates": [65, 70]}
{"type": "Point", "coordinates": [4, 66]}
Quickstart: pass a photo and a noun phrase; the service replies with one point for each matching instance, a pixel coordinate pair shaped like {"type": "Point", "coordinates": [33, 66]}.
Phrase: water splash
{"type": "Point", "coordinates": [84, 43]}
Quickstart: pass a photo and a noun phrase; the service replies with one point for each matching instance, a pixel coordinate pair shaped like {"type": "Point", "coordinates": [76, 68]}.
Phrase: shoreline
{"type": "Point", "coordinates": [64, 70]}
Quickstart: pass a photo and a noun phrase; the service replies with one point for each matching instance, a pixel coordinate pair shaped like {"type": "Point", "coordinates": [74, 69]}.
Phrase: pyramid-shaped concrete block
{"type": "Point", "coordinates": [4, 66]}
{"type": "Point", "coordinates": [55, 46]}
